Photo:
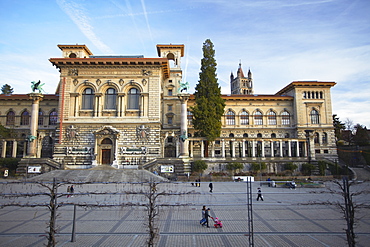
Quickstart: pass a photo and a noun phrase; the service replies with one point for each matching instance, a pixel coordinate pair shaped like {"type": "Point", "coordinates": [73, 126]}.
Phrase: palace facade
{"type": "Point", "coordinates": [132, 111]}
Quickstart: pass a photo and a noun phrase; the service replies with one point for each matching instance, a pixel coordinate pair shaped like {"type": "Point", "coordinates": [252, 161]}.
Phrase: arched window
{"type": "Point", "coordinates": [230, 118]}
{"type": "Point", "coordinates": [273, 135]}
{"type": "Point", "coordinates": [110, 99]}
{"type": "Point", "coordinates": [244, 118]}
{"type": "Point", "coordinates": [190, 118]}
{"type": "Point", "coordinates": [133, 99]}
{"type": "Point", "coordinates": [315, 117]}
{"type": "Point", "coordinates": [53, 118]}
{"type": "Point", "coordinates": [271, 116]}
{"type": "Point", "coordinates": [88, 99]}
{"type": "Point", "coordinates": [286, 135]}
{"type": "Point", "coordinates": [25, 118]}
{"type": "Point", "coordinates": [258, 118]}
{"type": "Point", "coordinates": [316, 138]}
{"type": "Point", "coordinates": [285, 118]}
{"type": "Point", "coordinates": [259, 135]}
{"type": "Point", "coordinates": [324, 138]}
{"type": "Point", "coordinates": [231, 135]}
{"type": "Point", "coordinates": [245, 135]}
{"type": "Point", "coordinates": [41, 117]}
{"type": "Point", "coordinates": [10, 118]}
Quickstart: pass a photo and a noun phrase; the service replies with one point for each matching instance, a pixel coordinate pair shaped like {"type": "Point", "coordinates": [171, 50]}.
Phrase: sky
{"type": "Point", "coordinates": [280, 41]}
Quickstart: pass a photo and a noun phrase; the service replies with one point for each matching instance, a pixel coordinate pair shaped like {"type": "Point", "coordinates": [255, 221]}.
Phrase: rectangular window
{"type": "Point", "coordinates": [169, 107]}
{"type": "Point", "coordinates": [169, 92]}
{"type": "Point", "coordinates": [169, 120]}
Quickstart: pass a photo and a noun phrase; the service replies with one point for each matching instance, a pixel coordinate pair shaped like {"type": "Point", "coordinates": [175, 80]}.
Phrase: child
{"type": "Point", "coordinates": [218, 223]}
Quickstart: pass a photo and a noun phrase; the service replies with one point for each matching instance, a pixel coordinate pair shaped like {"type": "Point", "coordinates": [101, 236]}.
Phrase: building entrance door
{"type": "Point", "coordinates": [105, 154]}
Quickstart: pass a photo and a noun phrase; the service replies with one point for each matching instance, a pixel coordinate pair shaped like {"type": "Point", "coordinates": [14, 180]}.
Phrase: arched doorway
{"type": "Point", "coordinates": [106, 151]}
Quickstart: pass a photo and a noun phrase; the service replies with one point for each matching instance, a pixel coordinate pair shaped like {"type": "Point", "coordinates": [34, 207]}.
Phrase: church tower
{"type": "Point", "coordinates": [241, 84]}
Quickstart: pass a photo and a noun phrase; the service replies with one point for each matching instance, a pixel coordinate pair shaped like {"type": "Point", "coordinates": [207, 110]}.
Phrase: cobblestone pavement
{"type": "Point", "coordinates": [285, 217]}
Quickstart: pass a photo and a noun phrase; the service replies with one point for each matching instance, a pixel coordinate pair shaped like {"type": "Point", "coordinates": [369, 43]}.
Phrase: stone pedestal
{"type": "Point", "coordinates": [36, 98]}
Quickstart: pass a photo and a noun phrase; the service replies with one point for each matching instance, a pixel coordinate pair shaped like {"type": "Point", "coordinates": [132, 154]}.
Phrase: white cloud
{"type": "Point", "coordinates": [78, 15]}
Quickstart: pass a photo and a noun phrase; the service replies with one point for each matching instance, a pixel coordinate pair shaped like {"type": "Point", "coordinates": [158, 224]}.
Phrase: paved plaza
{"type": "Point", "coordinates": [285, 217]}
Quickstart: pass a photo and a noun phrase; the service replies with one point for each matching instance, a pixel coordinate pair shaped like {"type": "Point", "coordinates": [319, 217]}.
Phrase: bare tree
{"type": "Point", "coordinates": [348, 207]}
{"type": "Point", "coordinates": [150, 193]}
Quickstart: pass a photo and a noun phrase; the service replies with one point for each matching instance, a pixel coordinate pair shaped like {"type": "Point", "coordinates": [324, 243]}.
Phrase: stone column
{"type": "Point", "coordinates": [213, 150]}
{"type": "Point", "coordinates": [36, 98]}
{"type": "Point", "coordinates": [243, 149]}
{"type": "Point", "coordinates": [76, 104]}
{"type": "Point", "coordinates": [297, 148]}
{"type": "Point", "coordinates": [289, 148]}
{"type": "Point", "coordinates": [202, 149]}
{"type": "Point", "coordinates": [14, 151]}
{"type": "Point", "coordinates": [253, 148]}
{"type": "Point", "coordinates": [281, 148]}
{"type": "Point", "coordinates": [184, 148]}
{"type": "Point", "coordinates": [3, 151]}
{"type": "Point", "coordinates": [223, 148]}
{"type": "Point", "coordinates": [263, 148]}
{"type": "Point", "coordinates": [232, 148]}
{"type": "Point", "coordinates": [272, 149]}
{"type": "Point", "coordinates": [191, 148]}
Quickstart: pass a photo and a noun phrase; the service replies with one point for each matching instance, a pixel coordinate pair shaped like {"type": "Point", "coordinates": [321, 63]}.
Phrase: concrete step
{"type": "Point", "coordinates": [93, 175]}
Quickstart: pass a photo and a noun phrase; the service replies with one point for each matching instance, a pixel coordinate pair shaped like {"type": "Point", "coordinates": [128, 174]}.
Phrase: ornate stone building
{"type": "Point", "coordinates": [132, 111]}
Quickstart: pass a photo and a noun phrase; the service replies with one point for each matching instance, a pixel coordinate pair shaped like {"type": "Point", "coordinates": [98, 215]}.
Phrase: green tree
{"type": "Point", "coordinates": [7, 89]}
{"type": "Point", "coordinates": [307, 169]}
{"type": "Point", "coordinates": [258, 166]}
{"type": "Point", "coordinates": [199, 166]}
{"type": "Point", "coordinates": [290, 167]}
{"type": "Point", "coordinates": [209, 105]}
{"type": "Point", "coordinates": [5, 132]}
{"type": "Point", "coordinates": [234, 166]}
{"type": "Point", "coordinates": [361, 137]}
{"type": "Point", "coordinates": [338, 127]}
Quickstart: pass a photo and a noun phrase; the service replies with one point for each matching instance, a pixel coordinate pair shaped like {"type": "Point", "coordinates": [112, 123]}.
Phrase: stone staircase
{"type": "Point", "coordinates": [102, 174]}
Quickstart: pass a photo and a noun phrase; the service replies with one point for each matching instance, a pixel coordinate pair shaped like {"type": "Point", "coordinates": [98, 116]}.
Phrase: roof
{"type": "Point", "coordinates": [311, 84]}
{"type": "Point", "coordinates": [128, 61]}
{"type": "Point", "coordinates": [251, 97]}
{"type": "Point", "coordinates": [170, 46]}
{"type": "Point", "coordinates": [75, 47]}
{"type": "Point", "coordinates": [26, 97]}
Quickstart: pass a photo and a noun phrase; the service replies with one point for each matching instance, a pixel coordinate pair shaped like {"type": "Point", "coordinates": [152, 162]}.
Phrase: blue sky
{"type": "Point", "coordinates": [279, 40]}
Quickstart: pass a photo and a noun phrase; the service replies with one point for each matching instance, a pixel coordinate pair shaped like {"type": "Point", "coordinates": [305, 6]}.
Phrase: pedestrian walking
{"type": "Point", "coordinates": [206, 216]}
{"type": "Point", "coordinates": [210, 187]}
{"type": "Point", "coordinates": [71, 190]}
{"type": "Point", "coordinates": [259, 194]}
{"type": "Point", "coordinates": [203, 220]}
{"type": "Point", "coordinates": [68, 191]}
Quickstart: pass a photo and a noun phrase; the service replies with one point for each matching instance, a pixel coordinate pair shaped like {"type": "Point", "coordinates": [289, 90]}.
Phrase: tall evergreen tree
{"type": "Point", "coordinates": [209, 105]}
{"type": "Point", "coordinates": [6, 89]}
{"type": "Point", "coordinates": [338, 127]}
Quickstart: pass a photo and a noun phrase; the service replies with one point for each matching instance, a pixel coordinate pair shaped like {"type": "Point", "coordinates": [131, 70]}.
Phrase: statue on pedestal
{"type": "Point", "coordinates": [183, 87]}
{"type": "Point", "coordinates": [37, 86]}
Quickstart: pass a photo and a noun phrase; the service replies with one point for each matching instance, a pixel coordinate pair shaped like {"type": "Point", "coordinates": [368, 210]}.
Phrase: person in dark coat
{"type": "Point", "coordinates": [206, 215]}
{"type": "Point", "coordinates": [210, 187]}
{"type": "Point", "coordinates": [259, 194]}
{"type": "Point", "coordinates": [71, 190]}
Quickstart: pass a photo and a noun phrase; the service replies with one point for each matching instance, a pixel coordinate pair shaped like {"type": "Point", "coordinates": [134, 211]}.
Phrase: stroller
{"type": "Point", "coordinates": [217, 222]}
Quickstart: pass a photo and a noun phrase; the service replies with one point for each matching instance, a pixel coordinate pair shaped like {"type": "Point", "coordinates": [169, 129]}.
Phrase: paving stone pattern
{"type": "Point", "coordinates": [280, 220]}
